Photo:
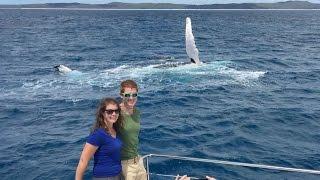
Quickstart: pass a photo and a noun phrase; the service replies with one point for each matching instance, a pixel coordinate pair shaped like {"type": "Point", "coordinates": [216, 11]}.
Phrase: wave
{"type": "Point", "coordinates": [150, 78]}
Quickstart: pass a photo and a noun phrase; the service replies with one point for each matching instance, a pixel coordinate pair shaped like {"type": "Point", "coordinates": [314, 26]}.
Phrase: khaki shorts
{"type": "Point", "coordinates": [133, 169]}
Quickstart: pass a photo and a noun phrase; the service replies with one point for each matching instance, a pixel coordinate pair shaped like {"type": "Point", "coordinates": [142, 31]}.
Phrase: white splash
{"type": "Point", "coordinates": [243, 77]}
{"type": "Point", "coordinates": [191, 48]}
{"type": "Point", "coordinates": [75, 84]}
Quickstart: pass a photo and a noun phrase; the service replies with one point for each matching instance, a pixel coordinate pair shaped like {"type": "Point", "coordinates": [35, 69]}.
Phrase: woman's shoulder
{"type": "Point", "coordinates": [98, 131]}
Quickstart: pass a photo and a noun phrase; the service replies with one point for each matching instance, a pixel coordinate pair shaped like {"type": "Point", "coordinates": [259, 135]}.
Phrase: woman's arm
{"type": "Point", "coordinates": [87, 153]}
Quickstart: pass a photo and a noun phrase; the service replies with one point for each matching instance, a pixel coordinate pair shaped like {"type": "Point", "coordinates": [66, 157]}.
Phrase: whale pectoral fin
{"type": "Point", "coordinates": [191, 48]}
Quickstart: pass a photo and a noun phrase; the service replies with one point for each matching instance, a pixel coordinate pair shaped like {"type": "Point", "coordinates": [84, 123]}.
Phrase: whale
{"type": "Point", "coordinates": [191, 49]}
{"type": "Point", "coordinates": [62, 69]}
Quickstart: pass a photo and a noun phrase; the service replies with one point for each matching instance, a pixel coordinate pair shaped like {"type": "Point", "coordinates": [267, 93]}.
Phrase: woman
{"type": "Point", "coordinates": [103, 143]}
{"type": "Point", "coordinates": [132, 167]}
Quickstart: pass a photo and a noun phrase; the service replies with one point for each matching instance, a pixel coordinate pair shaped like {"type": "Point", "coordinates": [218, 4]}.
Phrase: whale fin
{"type": "Point", "coordinates": [191, 48]}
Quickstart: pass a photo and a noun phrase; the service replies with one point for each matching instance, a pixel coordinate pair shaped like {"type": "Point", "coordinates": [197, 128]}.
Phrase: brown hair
{"type": "Point", "coordinates": [128, 84]}
{"type": "Point", "coordinates": [99, 123]}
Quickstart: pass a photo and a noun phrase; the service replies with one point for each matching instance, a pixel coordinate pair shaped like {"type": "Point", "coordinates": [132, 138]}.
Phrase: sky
{"type": "Point", "coordinates": [141, 1]}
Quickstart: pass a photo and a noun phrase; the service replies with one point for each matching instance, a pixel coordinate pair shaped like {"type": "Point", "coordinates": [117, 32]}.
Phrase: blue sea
{"type": "Point", "coordinates": [254, 99]}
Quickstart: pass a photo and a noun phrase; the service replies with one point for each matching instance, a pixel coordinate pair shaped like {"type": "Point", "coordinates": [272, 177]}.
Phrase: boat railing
{"type": "Point", "coordinates": [146, 159]}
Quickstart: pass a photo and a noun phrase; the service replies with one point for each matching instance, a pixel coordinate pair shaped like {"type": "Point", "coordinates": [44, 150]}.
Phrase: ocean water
{"type": "Point", "coordinates": [255, 98]}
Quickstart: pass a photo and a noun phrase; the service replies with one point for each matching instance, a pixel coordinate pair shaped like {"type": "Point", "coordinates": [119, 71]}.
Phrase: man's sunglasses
{"type": "Point", "coordinates": [128, 95]}
{"type": "Point", "coordinates": [110, 111]}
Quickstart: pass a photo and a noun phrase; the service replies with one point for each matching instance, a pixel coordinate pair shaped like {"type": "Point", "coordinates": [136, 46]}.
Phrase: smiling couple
{"type": "Point", "coordinates": [114, 139]}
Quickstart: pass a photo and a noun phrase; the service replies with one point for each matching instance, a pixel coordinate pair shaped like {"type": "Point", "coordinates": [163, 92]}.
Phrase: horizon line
{"type": "Point", "coordinates": [96, 9]}
{"type": "Point", "coordinates": [161, 3]}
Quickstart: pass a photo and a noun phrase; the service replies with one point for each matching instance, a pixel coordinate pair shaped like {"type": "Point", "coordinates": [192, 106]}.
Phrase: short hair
{"type": "Point", "coordinates": [128, 84]}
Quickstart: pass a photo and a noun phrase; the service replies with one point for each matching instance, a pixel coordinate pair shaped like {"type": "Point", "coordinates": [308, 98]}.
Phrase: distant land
{"type": "Point", "coordinates": [119, 5]}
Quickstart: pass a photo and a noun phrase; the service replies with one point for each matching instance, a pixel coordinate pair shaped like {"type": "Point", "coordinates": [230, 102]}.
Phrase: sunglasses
{"type": "Point", "coordinates": [128, 95]}
{"type": "Point", "coordinates": [110, 111]}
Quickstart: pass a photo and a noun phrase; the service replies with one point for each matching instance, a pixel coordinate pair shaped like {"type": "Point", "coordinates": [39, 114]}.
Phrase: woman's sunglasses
{"type": "Point", "coordinates": [110, 111]}
{"type": "Point", "coordinates": [128, 95]}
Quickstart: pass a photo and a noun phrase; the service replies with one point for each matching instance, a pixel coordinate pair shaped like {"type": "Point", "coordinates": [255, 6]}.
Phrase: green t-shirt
{"type": "Point", "coordinates": [129, 134]}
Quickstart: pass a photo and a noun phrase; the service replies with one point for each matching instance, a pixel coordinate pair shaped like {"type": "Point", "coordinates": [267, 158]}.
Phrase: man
{"type": "Point", "coordinates": [132, 167]}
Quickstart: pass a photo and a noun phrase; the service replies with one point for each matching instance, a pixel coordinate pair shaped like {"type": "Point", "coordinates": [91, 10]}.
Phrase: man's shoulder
{"type": "Point", "coordinates": [136, 109]}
